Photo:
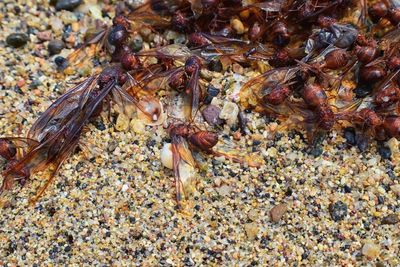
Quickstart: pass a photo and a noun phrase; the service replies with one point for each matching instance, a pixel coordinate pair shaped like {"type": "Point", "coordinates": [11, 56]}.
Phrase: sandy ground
{"type": "Point", "coordinates": [112, 203]}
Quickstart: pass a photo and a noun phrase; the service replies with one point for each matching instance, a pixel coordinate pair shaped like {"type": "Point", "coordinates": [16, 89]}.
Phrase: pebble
{"type": "Point", "coordinates": [229, 113]}
{"type": "Point", "coordinates": [17, 39]}
{"type": "Point", "coordinates": [384, 151]}
{"type": "Point", "coordinates": [251, 230]}
{"type": "Point", "coordinates": [211, 115]}
{"type": "Point", "coordinates": [350, 135]}
{"type": "Point", "coordinates": [338, 211]}
{"type": "Point", "coordinates": [56, 25]}
{"type": "Point", "coordinates": [61, 62]}
{"type": "Point", "coordinates": [224, 190]}
{"type": "Point", "coordinates": [211, 93]}
{"type": "Point", "coordinates": [396, 189]}
{"type": "Point", "coordinates": [67, 4]}
{"type": "Point", "coordinates": [55, 47]}
{"type": "Point", "coordinates": [390, 219]}
{"type": "Point", "coordinates": [136, 42]}
{"type": "Point", "coordinates": [44, 36]}
{"type": "Point", "coordinates": [370, 250]}
{"type": "Point", "coordinates": [362, 142]}
{"type": "Point", "coordinates": [215, 65]}
{"type": "Point", "coordinates": [137, 126]}
{"type": "Point", "coordinates": [166, 156]}
{"type": "Point", "coordinates": [122, 122]}
{"type": "Point", "coordinates": [277, 212]}
{"type": "Point", "coordinates": [393, 144]}
{"type": "Point", "coordinates": [237, 25]}
{"type": "Point", "coordinates": [362, 91]}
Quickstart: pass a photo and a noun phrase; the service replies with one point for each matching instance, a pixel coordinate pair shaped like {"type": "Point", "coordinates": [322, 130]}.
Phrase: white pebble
{"type": "Point", "coordinates": [229, 112]}
{"type": "Point", "coordinates": [370, 250]}
{"type": "Point", "coordinates": [166, 156]}
{"type": "Point", "coordinates": [124, 187]}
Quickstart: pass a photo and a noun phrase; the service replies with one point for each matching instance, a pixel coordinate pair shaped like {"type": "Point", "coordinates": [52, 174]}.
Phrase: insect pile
{"type": "Point", "coordinates": [324, 64]}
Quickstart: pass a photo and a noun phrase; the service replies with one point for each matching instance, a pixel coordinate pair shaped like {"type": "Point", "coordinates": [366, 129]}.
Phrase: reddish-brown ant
{"type": "Point", "coordinates": [185, 138]}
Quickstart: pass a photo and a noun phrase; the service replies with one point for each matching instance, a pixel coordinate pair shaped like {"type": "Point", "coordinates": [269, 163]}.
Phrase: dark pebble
{"type": "Point", "coordinates": [211, 115]}
{"type": "Point", "coordinates": [99, 125]}
{"type": "Point", "coordinates": [362, 91]}
{"type": "Point", "coordinates": [215, 65]}
{"type": "Point", "coordinates": [52, 211]}
{"type": "Point", "coordinates": [350, 135]}
{"type": "Point", "coordinates": [55, 47]}
{"type": "Point", "coordinates": [35, 84]}
{"type": "Point", "coordinates": [362, 142]}
{"type": "Point", "coordinates": [67, 4]}
{"type": "Point", "coordinates": [289, 192]}
{"type": "Point", "coordinates": [136, 43]}
{"type": "Point", "coordinates": [316, 151]}
{"type": "Point", "coordinates": [17, 39]}
{"type": "Point", "coordinates": [390, 219]}
{"type": "Point", "coordinates": [338, 211]}
{"type": "Point", "coordinates": [211, 93]}
{"type": "Point", "coordinates": [61, 62]}
{"type": "Point", "coordinates": [385, 152]}
{"type": "Point", "coordinates": [132, 219]}
{"type": "Point", "coordinates": [347, 189]}
{"type": "Point", "coordinates": [381, 200]}
{"type": "Point", "coordinates": [17, 9]}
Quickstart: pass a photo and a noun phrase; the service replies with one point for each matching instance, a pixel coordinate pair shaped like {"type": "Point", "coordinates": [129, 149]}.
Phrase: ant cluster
{"type": "Point", "coordinates": [328, 63]}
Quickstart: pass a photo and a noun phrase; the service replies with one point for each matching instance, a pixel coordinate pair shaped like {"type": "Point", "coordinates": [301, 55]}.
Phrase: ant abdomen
{"type": "Point", "coordinates": [377, 11]}
{"type": "Point", "coordinates": [387, 96]}
{"type": "Point", "coordinates": [314, 95]}
{"type": "Point", "coordinates": [7, 149]}
{"type": "Point", "coordinates": [391, 125]}
{"type": "Point", "coordinates": [192, 64]}
{"type": "Point", "coordinates": [118, 35]}
{"type": "Point", "coordinates": [277, 95]}
{"type": "Point", "coordinates": [366, 54]}
{"type": "Point", "coordinates": [280, 33]}
{"type": "Point", "coordinates": [372, 74]}
{"type": "Point", "coordinates": [336, 59]}
{"type": "Point", "coordinates": [326, 117]}
{"type": "Point", "coordinates": [203, 140]}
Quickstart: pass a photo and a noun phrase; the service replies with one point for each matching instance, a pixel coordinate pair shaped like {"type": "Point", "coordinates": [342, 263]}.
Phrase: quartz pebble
{"type": "Point", "coordinates": [251, 230]}
{"type": "Point", "coordinates": [122, 122]}
{"type": "Point", "coordinates": [370, 250]}
{"type": "Point", "coordinates": [137, 126]}
{"type": "Point", "coordinates": [229, 113]}
{"type": "Point", "coordinates": [166, 156]}
{"type": "Point", "coordinates": [396, 189]}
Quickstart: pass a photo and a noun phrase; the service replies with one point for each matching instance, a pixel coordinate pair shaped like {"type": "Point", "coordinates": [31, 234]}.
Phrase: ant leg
{"type": "Point", "coordinates": [41, 190]}
{"type": "Point", "coordinates": [52, 175]}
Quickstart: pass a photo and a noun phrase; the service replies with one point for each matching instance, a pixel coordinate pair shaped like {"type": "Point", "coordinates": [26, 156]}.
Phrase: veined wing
{"type": "Point", "coordinates": [63, 110]}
